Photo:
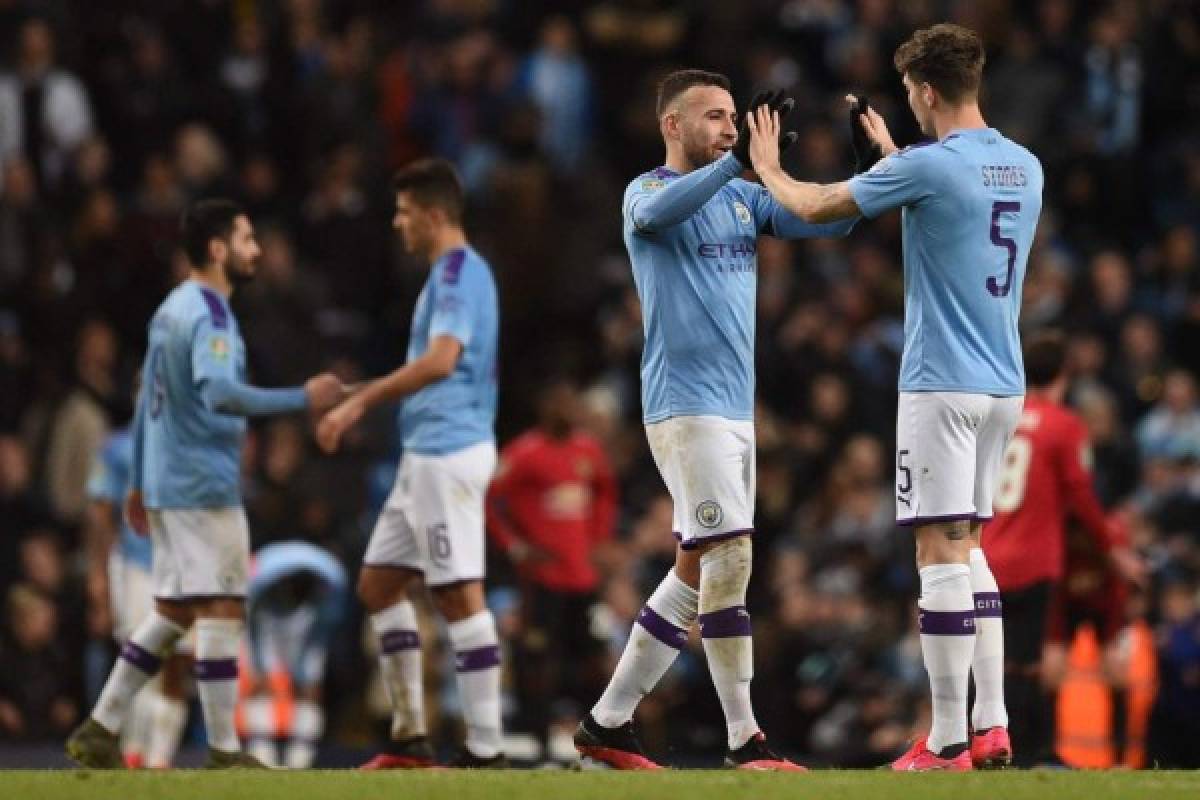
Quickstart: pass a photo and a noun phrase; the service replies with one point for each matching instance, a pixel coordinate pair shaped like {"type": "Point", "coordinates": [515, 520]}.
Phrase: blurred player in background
{"type": "Point", "coordinates": [295, 600]}
{"type": "Point", "coordinates": [121, 591]}
{"type": "Point", "coordinates": [552, 505]}
{"type": "Point", "coordinates": [1044, 479]}
{"type": "Point", "coordinates": [188, 433]}
{"type": "Point", "coordinates": [691, 229]}
{"type": "Point", "coordinates": [971, 201]}
{"type": "Point", "coordinates": [431, 529]}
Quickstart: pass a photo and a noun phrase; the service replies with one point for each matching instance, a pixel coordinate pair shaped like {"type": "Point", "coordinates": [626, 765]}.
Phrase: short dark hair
{"type": "Point", "coordinates": [948, 57]}
{"type": "Point", "coordinates": [681, 80]}
{"type": "Point", "coordinates": [433, 182]}
{"type": "Point", "coordinates": [206, 220]}
{"type": "Point", "coordinates": [1045, 358]}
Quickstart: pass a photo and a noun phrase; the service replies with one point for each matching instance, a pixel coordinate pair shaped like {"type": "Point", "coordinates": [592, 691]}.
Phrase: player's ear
{"type": "Point", "coordinates": [670, 125]}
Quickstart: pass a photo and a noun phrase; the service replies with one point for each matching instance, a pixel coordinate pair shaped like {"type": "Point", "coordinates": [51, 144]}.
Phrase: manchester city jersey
{"type": "Point", "coordinates": [191, 456]}
{"type": "Point", "coordinates": [971, 203]}
{"type": "Point", "coordinates": [694, 264]}
{"type": "Point", "coordinates": [459, 300]}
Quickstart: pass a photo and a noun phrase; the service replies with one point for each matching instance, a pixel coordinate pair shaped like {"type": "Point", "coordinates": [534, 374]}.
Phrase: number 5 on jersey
{"type": "Point", "coordinates": [998, 239]}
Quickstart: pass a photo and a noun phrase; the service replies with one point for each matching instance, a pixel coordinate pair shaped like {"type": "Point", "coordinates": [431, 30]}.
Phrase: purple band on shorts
{"type": "Point", "coordinates": [477, 659]}
{"type": "Point", "coordinates": [913, 522]}
{"type": "Point", "coordinates": [692, 544]}
{"type": "Point", "coordinates": [660, 629]}
{"type": "Point", "coordinates": [216, 669]}
{"type": "Point", "coordinates": [732, 621]}
{"type": "Point", "coordinates": [988, 604]}
{"type": "Point", "coordinates": [946, 623]}
{"type": "Point", "coordinates": [395, 641]}
{"type": "Point", "coordinates": [140, 657]}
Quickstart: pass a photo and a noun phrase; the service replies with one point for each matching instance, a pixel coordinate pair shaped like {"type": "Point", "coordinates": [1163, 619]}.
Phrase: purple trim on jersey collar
{"type": "Point", "coordinates": [726, 623]}
{"type": "Point", "coordinates": [220, 317]}
{"type": "Point", "coordinates": [140, 657]}
{"type": "Point", "coordinates": [988, 604]}
{"type": "Point", "coordinates": [946, 623]}
{"type": "Point", "coordinates": [670, 635]}
{"type": "Point", "coordinates": [454, 264]}
{"type": "Point", "coordinates": [665, 172]}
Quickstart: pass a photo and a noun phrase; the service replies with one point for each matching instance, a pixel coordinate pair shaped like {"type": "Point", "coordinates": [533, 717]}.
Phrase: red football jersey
{"type": "Point", "coordinates": [558, 496]}
{"type": "Point", "coordinates": [1046, 475]}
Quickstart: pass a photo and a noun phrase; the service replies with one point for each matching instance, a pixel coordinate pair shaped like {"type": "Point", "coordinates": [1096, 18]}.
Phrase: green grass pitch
{"type": "Point", "coordinates": [594, 785]}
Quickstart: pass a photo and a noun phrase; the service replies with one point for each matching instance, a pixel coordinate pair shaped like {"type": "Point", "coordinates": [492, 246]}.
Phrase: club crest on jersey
{"type": "Point", "coordinates": [741, 212]}
{"type": "Point", "coordinates": [709, 514]}
{"type": "Point", "coordinates": [653, 184]}
{"type": "Point", "coordinates": [219, 346]}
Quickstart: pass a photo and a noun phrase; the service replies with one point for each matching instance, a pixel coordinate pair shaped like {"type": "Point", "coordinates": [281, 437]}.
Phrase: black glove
{"type": "Point", "coordinates": [866, 151]}
{"type": "Point", "coordinates": [779, 102]}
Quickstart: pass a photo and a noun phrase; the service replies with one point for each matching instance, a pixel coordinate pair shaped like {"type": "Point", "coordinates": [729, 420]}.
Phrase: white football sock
{"type": "Point", "coordinates": [400, 665]}
{"type": "Point", "coordinates": [988, 662]}
{"type": "Point", "coordinates": [477, 662]}
{"type": "Point", "coordinates": [725, 631]}
{"type": "Point", "coordinates": [947, 624]}
{"type": "Point", "coordinates": [141, 657]}
{"type": "Point", "coordinates": [308, 723]}
{"type": "Point", "coordinates": [218, 642]}
{"type": "Point", "coordinates": [654, 643]}
{"type": "Point", "coordinates": [166, 729]}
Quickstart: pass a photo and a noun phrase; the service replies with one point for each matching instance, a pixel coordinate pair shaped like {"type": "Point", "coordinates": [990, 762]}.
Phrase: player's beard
{"type": "Point", "coordinates": [239, 271]}
{"type": "Point", "coordinates": [699, 154]}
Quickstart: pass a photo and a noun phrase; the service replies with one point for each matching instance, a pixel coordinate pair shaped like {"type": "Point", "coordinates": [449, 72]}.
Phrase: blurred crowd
{"type": "Point", "coordinates": [115, 115]}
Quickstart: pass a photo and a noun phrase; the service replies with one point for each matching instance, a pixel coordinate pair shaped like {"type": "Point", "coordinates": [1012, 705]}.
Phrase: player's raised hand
{"type": "Point", "coordinates": [324, 392]}
{"type": "Point", "coordinates": [135, 513]}
{"type": "Point", "coordinates": [1129, 565]}
{"type": "Point", "coordinates": [764, 139]}
{"type": "Point", "coordinates": [777, 101]}
{"type": "Point", "coordinates": [867, 151]}
{"type": "Point", "coordinates": [336, 422]}
{"type": "Point", "coordinates": [872, 124]}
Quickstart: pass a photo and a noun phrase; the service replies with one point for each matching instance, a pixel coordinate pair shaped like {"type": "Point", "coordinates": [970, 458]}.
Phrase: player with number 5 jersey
{"type": "Point", "coordinates": [970, 201]}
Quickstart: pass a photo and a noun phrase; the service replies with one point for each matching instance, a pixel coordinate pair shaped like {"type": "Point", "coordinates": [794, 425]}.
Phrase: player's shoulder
{"type": "Point", "coordinates": [191, 302]}
{"type": "Point", "coordinates": [651, 181]}
{"type": "Point", "coordinates": [464, 267]}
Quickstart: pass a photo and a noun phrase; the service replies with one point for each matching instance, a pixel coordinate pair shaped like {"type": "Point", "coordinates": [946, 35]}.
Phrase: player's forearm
{"type": "Point", "coordinates": [683, 196]}
{"type": "Point", "coordinates": [813, 203]}
{"type": "Point", "coordinates": [405, 381]}
{"type": "Point", "coordinates": [226, 396]}
{"type": "Point", "coordinates": [139, 438]}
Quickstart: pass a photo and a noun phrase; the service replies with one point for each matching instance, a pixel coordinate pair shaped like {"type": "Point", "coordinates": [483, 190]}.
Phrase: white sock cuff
{"type": "Point", "coordinates": [260, 716]}
{"type": "Point", "coordinates": [936, 577]}
{"type": "Point", "coordinates": [156, 634]}
{"type": "Point", "coordinates": [675, 601]}
{"type": "Point", "coordinates": [399, 617]}
{"type": "Point", "coordinates": [218, 638]}
{"type": "Point", "coordinates": [477, 630]}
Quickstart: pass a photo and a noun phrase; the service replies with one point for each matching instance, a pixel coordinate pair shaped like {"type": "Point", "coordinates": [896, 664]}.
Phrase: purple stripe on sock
{"type": "Point", "coordinates": [732, 621]}
{"type": "Point", "coordinates": [987, 604]}
{"type": "Point", "coordinates": [660, 629]}
{"type": "Point", "coordinates": [395, 641]}
{"type": "Point", "coordinates": [216, 669]}
{"type": "Point", "coordinates": [140, 657]}
{"type": "Point", "coordinates": [477, 659]}
{"type": "Point", "coordinates": [946, 623]}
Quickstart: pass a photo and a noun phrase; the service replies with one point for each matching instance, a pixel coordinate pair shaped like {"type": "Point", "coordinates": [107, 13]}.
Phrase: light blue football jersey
{"type": "Point", "coordinates": [191, 456]}
{"type": "Point", "coordinates": [971, 203]}
{"type": "Point", "coordinates": [692, 241]}
{"type": "Point", "coordinates": [458, 299]}
{"type": "Point", "coordinates": [109, 482]}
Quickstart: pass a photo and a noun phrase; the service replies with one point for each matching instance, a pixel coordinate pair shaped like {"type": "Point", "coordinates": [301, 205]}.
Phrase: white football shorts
{"type": "Point", "coordinates": [200, 554]}
{"type": "Point", "coordinates": [433, 520]}
{"type": "Point", "coordinates": [949, 449]}
{"type": "Point", "coordinates": [708, 465]}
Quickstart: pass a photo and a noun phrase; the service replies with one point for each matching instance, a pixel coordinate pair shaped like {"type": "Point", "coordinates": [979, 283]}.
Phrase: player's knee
{"type": "Point", "coordinates": [687, 567]}
{"type": "Point", "coordinates": [459, 601]}
{"type": "Point", "coordinates": [378, 589]}
{"type": "Point", "coordinates": [944, 543]}
{"type": "Point", "coordinates": [725, 574]}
